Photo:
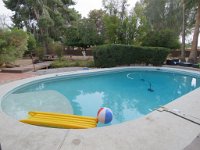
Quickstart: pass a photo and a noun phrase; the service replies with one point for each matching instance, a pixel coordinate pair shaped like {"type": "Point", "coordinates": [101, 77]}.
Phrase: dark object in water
{"type": "Point", "coordinates": [149, 89]}
{"type": "Point", "coordinates": [142, 79]}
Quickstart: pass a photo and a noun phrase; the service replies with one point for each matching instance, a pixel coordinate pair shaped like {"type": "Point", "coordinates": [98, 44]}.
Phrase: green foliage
{"type": "Point", "coordinates": [164, 14]}
{"type": "Point", "coordinates": [112, 6]}
{"type": "Point", "coordinates": [45, 22]}
{"type": "Point", "coordinates": [83, 35]}
{"type": "Point", "coordinates": [40, 51]}
{"type": "Point", "coordinates": [121, 28]}
{"type": "Point", "coordinates": [31, 42]}
{"type": "Point", "coordinates": [164, 38]}
{"type": "Point", "coordinates": [71, 37]}
{"type": "Point", "coordinates": [56, 20]}
{"type": "Point", "coordinates": [57, 47]}
{"type": "Point", "coordinates": [116, 21]}
{"type": "Point", "coordinates": [72, 63]}
{"type": "Point", "coordinates": [97, 17]}
{"type": "Point", "coordinates": [114, 55]}
{"type": "Point", "coordinates": [87, 33]}
{"type": "Point", "coordinates": [44, 19]}
{"type": "Point", "coordinates": [13, 44]}
{"type": "Point", "coordinates": [59, 64]}
{"type": "Point", "coordinates": [112, 24]}
{"type": "Point", "coordinates": [141, 24]}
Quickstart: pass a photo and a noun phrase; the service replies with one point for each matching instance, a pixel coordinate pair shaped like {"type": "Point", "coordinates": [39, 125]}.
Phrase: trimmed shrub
{"type": "Point", "coordinates": [114, 55]}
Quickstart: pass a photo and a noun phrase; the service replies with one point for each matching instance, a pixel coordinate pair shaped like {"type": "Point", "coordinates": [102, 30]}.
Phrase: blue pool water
{"type": "Point", "coordinates": [129, 94]}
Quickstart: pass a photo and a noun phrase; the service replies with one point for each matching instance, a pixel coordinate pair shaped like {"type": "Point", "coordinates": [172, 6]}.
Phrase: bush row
{"type": "Point", "coordinates": [72, 63]}
{"type": "Point", "coordinates": [115, 54]}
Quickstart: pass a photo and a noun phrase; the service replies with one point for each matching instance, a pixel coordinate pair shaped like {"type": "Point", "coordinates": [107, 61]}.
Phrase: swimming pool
{"type": "Point", "coordinates": [130, 92]}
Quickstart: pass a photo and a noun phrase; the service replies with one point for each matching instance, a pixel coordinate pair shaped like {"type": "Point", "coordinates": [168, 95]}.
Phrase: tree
{"type": "Point", "coordinates": [88, 34]}
{"type": "Point", "coordinates": [122, 30]}
{"type": "Point", "coordinates": [111, 20]}
{"type": "Point", "coordinates": [112, 24]}
{"type": "Point", "coordinates": [164, 14]}
{"type": "Point", "coordinates": [84, 34]}
{"type": "Point", "coordinates": [123, 27]}
{"type": "Point", "coordinates": [138, 24]}
{"type": "Point", "coordinates": [193, 53]}
{"type": "Point", "coordinates": [164, 38]}
{"type": "Point", "coordinates": [183, 33]}
{"type": "Point", "coordinates": [97, 17]}
{"type": "Point", "coordinates": [31, 43]}
{"type": "Point", "coordinates": [45, 19]}
{"type": "Point", "coordinates": [13, 44]}
{"type": "Point", "coordinates": [132, 29]}
{"type": "Point", "coordinates": [116, 22]}
{"type": "Point", "coordinates": [71, 36]}
{"type": "Point", "coordinates": [111, 7]}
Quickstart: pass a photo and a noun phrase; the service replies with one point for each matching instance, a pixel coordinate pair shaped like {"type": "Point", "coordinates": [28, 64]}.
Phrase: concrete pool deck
{"type": "Point", "coordinates": [157, 130]}
{"type": "Point", "coordinates": [8, 77]}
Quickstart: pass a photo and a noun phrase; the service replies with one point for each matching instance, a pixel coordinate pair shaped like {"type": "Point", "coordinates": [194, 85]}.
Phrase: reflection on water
{"type": "Point", "coordinates": [194, 82]}
{"type": "Point", "coordinates": [127, 94]}
{"type": "Point", "coordinates": [89, 101]}
{"type": "Point", "coordinates": [40, 87]}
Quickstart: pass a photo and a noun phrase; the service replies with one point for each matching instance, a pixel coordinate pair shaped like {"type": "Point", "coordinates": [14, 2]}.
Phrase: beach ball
{"type": "Point", "coordinates": [105, 115]}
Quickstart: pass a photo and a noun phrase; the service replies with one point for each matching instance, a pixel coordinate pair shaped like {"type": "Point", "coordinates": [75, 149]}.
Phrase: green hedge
{"type": "Point", "coordinates": [114, 55]}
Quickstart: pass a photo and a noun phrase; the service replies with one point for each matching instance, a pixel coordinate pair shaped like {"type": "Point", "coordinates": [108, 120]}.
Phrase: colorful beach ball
{"type": "Point", "coordinates": [105, 115]}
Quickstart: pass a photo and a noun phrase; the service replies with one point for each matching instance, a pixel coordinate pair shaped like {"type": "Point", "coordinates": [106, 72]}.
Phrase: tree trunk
{"type": "Point", "coordinates": [37, 15]}
{"type": "Point", "coordinates": [193, 53]}
{"type": "Point", "coordinates": [183, 34]}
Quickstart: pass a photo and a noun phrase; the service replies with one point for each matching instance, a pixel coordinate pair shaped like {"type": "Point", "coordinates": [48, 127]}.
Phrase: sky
{"type": "Point", "coordinates": [4, 10]}
{"type": "Point", "coordinates": [84, 6]}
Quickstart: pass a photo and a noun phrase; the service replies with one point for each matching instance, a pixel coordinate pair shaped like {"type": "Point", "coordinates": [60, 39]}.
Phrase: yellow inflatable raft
{"type": "Point", "coordinates": [60, 120]}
